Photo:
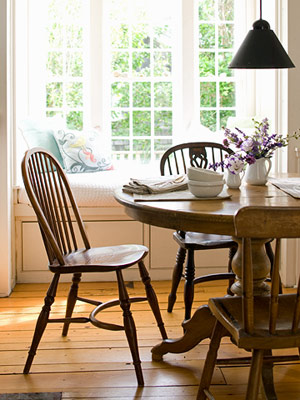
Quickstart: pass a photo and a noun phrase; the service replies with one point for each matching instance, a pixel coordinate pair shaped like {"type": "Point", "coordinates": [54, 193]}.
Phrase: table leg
{"type": "Point", "coordinates": [261, 268]}
{"type": "Point", "coordinates": [197, 328]}
{"type": "Point", "coordinates": [200, 326]}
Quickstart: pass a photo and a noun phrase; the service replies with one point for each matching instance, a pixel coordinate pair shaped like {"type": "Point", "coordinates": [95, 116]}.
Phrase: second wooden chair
{"type": "Point", "coordinates": [176, 160]}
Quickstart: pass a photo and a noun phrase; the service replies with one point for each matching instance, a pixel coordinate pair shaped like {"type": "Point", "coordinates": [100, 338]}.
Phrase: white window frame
{"type": "Point", "coordinates": [186, 121]}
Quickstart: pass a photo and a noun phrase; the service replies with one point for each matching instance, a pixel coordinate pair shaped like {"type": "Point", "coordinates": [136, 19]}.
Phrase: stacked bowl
{"type": "Point", "coordinates": [204, 183]}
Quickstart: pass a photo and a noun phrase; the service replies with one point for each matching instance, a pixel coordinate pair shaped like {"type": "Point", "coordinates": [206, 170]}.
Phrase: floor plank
{"type": "Point", "coordinates": [96, 364]}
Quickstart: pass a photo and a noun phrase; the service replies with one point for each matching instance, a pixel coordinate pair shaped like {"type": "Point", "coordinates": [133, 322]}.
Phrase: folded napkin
{"type": "Point", "coordinates": [163, 184]}
{"type": "Point", "coordinates": [290, 186]}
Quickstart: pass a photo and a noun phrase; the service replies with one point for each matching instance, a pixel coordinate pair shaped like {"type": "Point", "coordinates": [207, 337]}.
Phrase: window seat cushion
{"type": "Point", "coordinates": [97, 189]}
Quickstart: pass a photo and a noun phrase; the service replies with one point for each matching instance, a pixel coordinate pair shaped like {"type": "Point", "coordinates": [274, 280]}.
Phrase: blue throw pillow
{"type": "Point", "coordinates": [40, 133]}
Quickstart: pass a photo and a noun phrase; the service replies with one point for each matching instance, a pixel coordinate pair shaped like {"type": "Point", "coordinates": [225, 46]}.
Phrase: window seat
{"type": "Point", "coordinates": [91, 189]}
{"type": "Point", "coordinates": [106, 223]}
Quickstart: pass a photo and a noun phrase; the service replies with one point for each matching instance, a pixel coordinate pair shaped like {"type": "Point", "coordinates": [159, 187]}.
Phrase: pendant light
{"type": "Point", "coordinates": [261, 49]}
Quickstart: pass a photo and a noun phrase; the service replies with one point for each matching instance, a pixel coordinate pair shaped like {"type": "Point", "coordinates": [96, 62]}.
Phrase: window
{"type": "Point", "coordinates": [216, 80]}
{"type": "Point", "coordinates": [157, 66]}
{"type": "Point", "coordinates": [142, 74]}
{"type": "Point", "coordinates": [65, 25]}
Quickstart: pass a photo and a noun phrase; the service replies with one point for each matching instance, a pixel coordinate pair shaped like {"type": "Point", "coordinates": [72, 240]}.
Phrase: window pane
{"type": "Point", "coordinates": [224, 60]}
{"type": "Point", "coordinates": [120, 123]}
{"type": "Point", "coordinates": [119, 36]}
{"type": "Point", "coordinates": [54, 93]}
{"type": "Point", "coordinates": [206, 64]}
{"type": "Point", "coordinates": [55, 35]}
{"type": "Point", "coordinates": [224, 115]}
{"type": "Point", "coordinates": [141, 64]}
{"type": "Point", "coordinates": [208, 94]}
{"type": "Point", "coordinates": [50, 114]}
{"type": "Point", "coordinates": [226, 10]}
{"type": "Point", "coordinates": [161, 145]}
{"type": "Point", "coordinates": [143, 148]}
{"type": "Point", "coordinates": [73, 8]}
{"type": "Point", "coordinates": [162, 64]}
{"type": "Point", "coordinates": [163, 123]}
{"type": "Point", "coordinates": [163, 94]}
{"type": "Point", "coordinates": [120, 63]}
{"type": "Point", "coordinates": [75, 120]}
{"type": "Point", "coordinates": [120, 145]}
{"type": "Point", "coordinates": [74, 65]}
{"type": "Point", "coordinates": [141, 93]}
{"type": "Point", "coordinates": [208, 119]}
{"type": "Point", "coordinates": [141, 36]}
{"type": "Point", "coordinates": [55, 63]}
{"type": "Point", "coordinates": [227, 94]}
{"type": "Point", "coordinates": [225, 36]}
{"type": "Point", "coordinates": [74, 94]}
{"type": "Point", "coordinates": [206, 10]}
{"type": "Point", "coordinates": [206, 36]}
{"type": "Point", "coordinates": [74, 36]}
{"type": "Point", "coordinates": [162, 37]}
{"type": "Point", "coordinates": [141, 123]}
{"type": "Point", "coordinates": [120, 94]}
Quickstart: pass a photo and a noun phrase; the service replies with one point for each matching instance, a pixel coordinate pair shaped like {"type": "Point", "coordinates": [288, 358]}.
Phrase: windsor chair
{"type": "Point", "coordinates": [257, 323]}
{"type": "Point", "coordinates": [176, 160]}
{"type": "Point", "coordinates": [58, 217]}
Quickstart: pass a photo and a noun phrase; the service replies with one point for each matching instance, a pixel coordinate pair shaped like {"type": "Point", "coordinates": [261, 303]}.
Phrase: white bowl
{"type": "Point", "coordinates": [203, 175]}
{"type": "Point", "coordinates": [205, 189]}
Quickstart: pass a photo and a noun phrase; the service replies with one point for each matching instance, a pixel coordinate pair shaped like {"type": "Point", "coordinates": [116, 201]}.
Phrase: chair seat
{"type": "Point", "coordinates": [101, 259]}
{"type": "Point", "coordinates": [202, 241]}
{"type": "Point", "coordinates": [228, 310]}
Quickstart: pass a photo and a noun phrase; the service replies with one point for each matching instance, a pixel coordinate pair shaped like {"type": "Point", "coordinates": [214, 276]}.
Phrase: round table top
{"type": "Point", "coordinates": [206, 216]}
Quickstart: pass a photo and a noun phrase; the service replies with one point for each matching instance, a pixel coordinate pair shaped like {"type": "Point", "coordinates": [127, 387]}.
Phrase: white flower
{"type": "Point", "coordinates": [235, 165]}
{"type": "Point", "coordinates": [247, 145]}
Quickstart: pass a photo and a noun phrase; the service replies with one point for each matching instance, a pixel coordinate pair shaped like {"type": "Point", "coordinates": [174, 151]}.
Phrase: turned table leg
{"type": "Point", "coordinates": [200, 326]}
{"type": "Point", "coordinates": [261, 268]}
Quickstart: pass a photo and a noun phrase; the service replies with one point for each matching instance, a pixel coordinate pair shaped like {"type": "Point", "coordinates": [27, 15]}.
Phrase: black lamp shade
{"type": "Point", "coordinates": [261, 49]}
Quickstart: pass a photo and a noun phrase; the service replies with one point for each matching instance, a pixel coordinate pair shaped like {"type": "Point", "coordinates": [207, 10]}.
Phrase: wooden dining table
{"type": "Point", "coordinates": [216, 217]}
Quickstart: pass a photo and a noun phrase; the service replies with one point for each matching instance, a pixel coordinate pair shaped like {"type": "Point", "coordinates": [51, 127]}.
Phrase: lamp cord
{"type": "Point", "coordinates": [260, 9]}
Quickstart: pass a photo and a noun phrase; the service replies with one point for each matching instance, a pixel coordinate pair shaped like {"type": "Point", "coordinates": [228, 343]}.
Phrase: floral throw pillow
{"type": "Point", "coordinates": [82, 151]}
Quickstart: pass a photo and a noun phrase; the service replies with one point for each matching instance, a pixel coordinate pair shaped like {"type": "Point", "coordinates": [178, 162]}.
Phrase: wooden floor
{"type": "Point", "coordinates": [96, 364]}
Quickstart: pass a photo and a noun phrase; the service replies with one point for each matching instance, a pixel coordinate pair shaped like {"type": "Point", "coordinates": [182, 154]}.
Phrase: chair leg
{"type": "Point", "coordinates": [255, 374]}
{"type": "Point", "coordinates": [176, 277]}
{"type": "Point", "coordinates": [130, 328]}
{"type": "Point", "coordinates": [189, 284]}
{"type": "Point", "coordinates": [232, 252]}
{"type": "Point", "coordinates": [71, 301]}
{"type": "Point", "coordinates": [210, 362]}
{"type": "Point", "coordinates": [42, 322]}
{"type": "Point", "coordinates": [268, 378]}
{"type": "Point", "coordinates": [152, 299]}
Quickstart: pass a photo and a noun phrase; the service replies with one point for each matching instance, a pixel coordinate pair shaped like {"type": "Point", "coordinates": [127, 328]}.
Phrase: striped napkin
{"type": "Point", "coordinates": [162, 184]}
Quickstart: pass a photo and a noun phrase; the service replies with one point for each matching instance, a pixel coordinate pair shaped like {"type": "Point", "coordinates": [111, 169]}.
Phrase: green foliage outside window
{"type": "Point", "coordinates": [64, 90]}
{"type": "Point", "coordinates": [141, 123]}
{"type": "Point", "coordinates": [141, 94]}
{"type": "Point", "coordinates": [141, 74]}
{"type": "Point", "coordinates": [217, 87]}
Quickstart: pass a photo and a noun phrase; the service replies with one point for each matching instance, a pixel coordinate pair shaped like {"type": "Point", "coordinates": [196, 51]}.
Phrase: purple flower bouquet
{"type": "Point", "coordinates": [251, 147]}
